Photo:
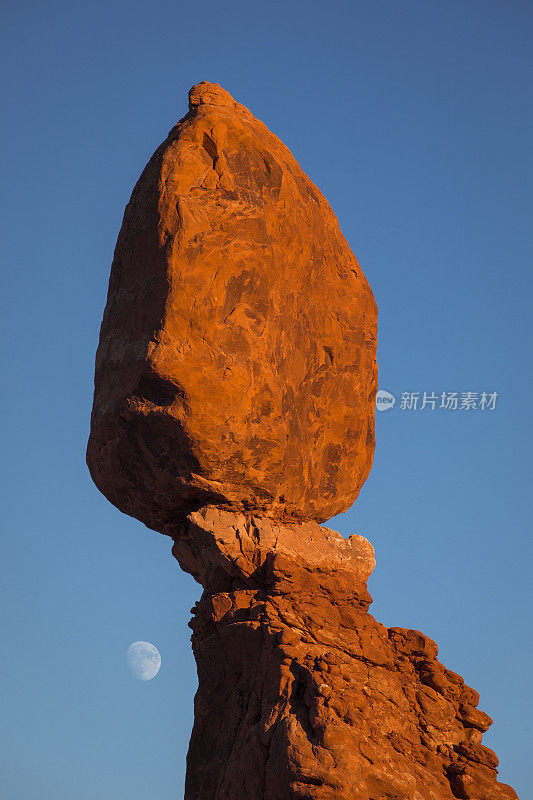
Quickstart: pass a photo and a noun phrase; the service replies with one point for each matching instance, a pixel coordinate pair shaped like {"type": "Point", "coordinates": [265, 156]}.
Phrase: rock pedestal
{"type": "Point", "coordinates": [302, 694]}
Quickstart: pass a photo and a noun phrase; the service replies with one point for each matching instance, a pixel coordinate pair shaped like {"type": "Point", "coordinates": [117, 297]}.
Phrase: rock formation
{"type": "Point", "coordinates": [234, 410]}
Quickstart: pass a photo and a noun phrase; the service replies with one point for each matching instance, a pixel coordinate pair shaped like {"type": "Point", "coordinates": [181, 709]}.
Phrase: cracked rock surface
{"type": "Point", "coordinates": [302, 694]}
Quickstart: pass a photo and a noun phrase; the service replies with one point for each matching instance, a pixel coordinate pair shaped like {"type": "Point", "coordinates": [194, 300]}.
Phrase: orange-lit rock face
{"type": "Point", "coordinates": [237, 353]}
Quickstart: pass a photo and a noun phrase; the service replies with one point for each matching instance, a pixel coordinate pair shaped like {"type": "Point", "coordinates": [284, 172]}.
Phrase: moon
{"type": "Point", "coordinates": [144, 660]}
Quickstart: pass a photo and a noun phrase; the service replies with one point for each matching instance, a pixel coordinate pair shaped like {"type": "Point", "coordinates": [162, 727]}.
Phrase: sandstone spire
{"type": "Point", "coordinates": [234, 410]}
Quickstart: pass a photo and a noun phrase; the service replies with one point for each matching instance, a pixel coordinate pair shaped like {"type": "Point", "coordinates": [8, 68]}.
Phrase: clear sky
{"type": "Point", "coordinates": [414, 119]}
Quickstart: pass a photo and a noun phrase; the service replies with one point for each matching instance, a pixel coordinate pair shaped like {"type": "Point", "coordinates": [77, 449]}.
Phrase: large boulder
{"type": "Point", "coordinates": [237, 355]}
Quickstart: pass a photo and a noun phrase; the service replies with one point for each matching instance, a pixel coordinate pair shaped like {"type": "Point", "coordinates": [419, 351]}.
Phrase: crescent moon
{"type": "Point", "coordinates": [144, 660]}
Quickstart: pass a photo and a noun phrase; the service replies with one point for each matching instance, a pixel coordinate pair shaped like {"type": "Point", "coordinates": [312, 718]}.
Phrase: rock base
{"type": "Point", "coordinates": [302, 694]}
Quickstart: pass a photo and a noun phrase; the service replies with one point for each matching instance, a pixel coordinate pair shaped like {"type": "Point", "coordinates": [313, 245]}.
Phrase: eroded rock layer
{"type": "Point", "coordinates": [302, 694]}
{"type": "Point", "coordinates": [236, 362]}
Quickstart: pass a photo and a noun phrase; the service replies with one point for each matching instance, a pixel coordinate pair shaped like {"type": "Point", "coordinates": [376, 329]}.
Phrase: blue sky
{"type": "Point", "coordinates": [415, 121]}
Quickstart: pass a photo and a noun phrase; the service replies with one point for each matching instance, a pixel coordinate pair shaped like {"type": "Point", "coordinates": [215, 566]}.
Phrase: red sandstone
{"type": "Point", "coordinates": [234, 407]}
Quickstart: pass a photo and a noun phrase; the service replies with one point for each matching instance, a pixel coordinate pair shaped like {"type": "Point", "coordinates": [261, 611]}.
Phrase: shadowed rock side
{"type": "Point", "coordinates": [302, 694]}
{"type": "Point", "coordinates": [236, 362]}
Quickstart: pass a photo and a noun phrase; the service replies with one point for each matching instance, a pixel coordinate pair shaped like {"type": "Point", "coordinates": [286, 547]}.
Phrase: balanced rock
{"type": "Point", "coordinates": [234, 410]}
{"type": "Point", "coordinates": [237, 355]}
